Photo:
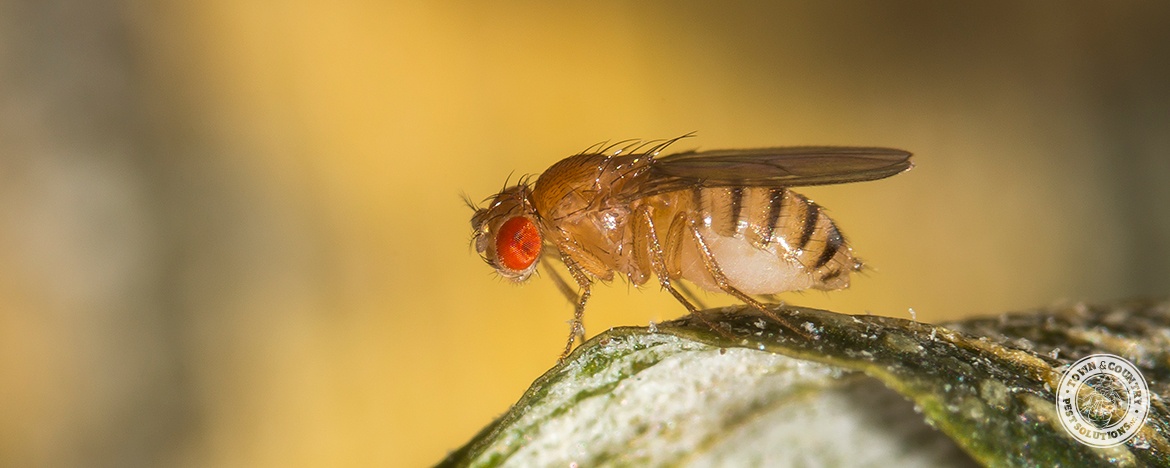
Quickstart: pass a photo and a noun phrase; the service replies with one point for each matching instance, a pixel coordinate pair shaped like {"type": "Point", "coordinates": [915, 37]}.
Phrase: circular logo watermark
{"type": "Point", "coordinates": [1102, 400]}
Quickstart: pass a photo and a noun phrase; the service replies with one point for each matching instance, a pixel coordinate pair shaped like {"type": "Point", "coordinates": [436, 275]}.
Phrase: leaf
{"type": "Point", "coordinates": [858, 390]}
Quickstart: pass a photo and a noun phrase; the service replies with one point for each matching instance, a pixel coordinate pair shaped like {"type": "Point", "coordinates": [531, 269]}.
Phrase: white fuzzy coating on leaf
{"type": "Point", "coordinates": [665, 400]}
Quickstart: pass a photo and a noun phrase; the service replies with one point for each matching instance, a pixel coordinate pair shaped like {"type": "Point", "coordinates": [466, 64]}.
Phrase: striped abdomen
{"type": "Point", "coordinates": [765, 240]}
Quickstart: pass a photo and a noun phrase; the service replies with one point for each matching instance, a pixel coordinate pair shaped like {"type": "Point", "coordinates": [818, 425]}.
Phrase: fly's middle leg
{"type": "Point", "coordinates": [725, 285]}
{"type": "Point", "coordinates": [646, 242]}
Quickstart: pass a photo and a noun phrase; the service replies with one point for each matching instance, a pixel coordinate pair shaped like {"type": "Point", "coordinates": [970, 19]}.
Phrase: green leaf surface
{"type": "Point", "coordinates": [857, 390]}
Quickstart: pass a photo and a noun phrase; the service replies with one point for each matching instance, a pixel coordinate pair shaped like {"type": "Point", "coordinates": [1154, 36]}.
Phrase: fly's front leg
{"type": "Point", "coordinates": [562, 285]}
{"type": "Point", "coordinates": [582, 266]}
{"type": "Point", "coordinates": [577, 326]}
{"type": "Point", "coordinates": [646, 243]}
{"type": "Point", "coordinates": [721, 280]}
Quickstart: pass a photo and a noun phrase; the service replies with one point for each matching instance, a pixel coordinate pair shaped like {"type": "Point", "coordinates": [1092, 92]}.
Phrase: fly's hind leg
{"type": "Point", "coordinates": [646, 241]}
{"type": "Point", "coordinates": [723, 283]}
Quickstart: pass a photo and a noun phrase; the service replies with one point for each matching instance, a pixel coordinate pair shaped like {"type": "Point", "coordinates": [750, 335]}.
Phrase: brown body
{"type": "Point", "coordinates": [767, 240]}
{"type": "Point", "coordinates": [723, 220]}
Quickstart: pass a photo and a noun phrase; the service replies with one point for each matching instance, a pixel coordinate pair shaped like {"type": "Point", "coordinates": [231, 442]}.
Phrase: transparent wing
{"type": "Point", "coordinates": [771, 167]}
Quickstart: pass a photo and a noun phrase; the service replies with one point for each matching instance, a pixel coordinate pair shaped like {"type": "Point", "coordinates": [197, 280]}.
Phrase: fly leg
{"type": "Point", "coordinates": [581, 265]}
{"type": "Point", "coordinates": [725, 285]}
{"type": "Point", "coordinates": [646, 240]}
{"type": "Point", "coordinates": [562, 285]}
{"type": "Point", "coordinates": [577, 326]}
{"type": "Point", "coordinates": [690, 294]}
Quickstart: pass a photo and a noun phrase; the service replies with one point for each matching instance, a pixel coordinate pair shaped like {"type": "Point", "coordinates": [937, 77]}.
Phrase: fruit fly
{"type": "Point", "coordinates": [724, 220]}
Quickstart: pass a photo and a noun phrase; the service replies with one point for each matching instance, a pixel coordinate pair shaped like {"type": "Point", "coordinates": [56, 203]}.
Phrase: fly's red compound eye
{"type": "Point", "coordinates": [518, 243]}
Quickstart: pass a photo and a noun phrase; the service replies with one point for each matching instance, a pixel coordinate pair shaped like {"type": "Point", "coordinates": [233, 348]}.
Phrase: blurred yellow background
{"type": "Point", "coordinates": [231, 232]}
